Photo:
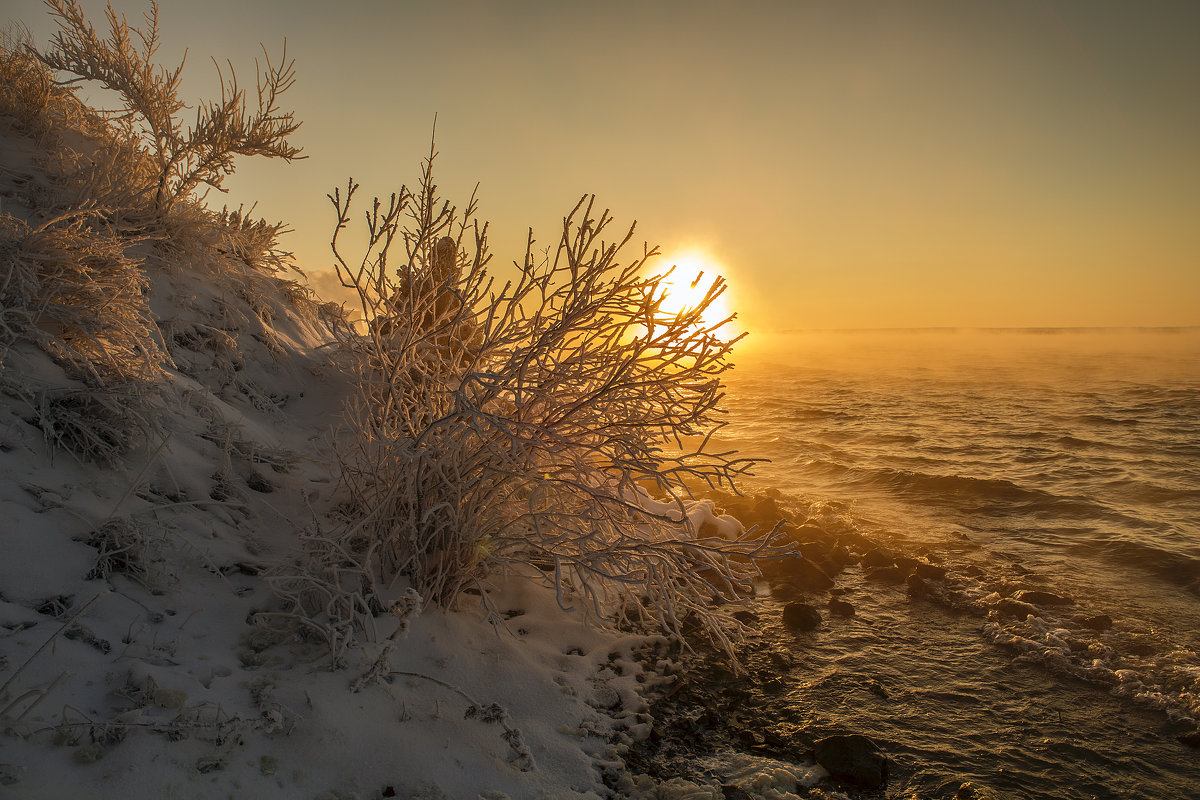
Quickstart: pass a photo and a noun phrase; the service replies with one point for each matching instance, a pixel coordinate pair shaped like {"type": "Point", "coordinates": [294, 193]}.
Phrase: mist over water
{"type": "Point", "coordinates": [1065, 460]}
{"type": "Point", "coordinates": [1067, 440]}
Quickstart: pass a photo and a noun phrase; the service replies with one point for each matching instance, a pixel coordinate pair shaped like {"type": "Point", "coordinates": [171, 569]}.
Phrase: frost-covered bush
{"type": "Point", "coordinates": [522, 424]}
{"type": "Point", "coordinates": [68, 282]}
{"type": "Point", "coordinates": [71, 289]}
{"type": "Point", "coordinates": [183, 157]}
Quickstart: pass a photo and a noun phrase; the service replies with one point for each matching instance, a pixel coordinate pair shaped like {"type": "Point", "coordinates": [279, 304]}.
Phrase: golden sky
{"type": "Point", "coordinates": [844, 164]}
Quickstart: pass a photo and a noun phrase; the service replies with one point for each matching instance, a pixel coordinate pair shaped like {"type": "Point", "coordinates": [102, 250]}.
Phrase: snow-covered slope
{"type": "Point", "coordinates": [140, 525]}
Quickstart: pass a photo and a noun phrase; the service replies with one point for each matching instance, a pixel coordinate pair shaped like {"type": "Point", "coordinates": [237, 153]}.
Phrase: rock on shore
{"type": "Point", "coordinates": [852, 759]}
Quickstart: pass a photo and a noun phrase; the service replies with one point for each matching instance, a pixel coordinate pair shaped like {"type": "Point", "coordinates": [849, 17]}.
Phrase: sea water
{"type": "Point", "coordinates": [1061, 460]}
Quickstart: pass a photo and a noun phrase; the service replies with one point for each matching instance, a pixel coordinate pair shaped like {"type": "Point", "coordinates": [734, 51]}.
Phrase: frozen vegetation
{"type": "Point", "coordinates": [252, 547]}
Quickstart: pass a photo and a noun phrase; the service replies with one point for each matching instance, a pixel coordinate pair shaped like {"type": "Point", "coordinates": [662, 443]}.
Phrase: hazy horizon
{"type": "Point", "coordinates": [1022, 328]}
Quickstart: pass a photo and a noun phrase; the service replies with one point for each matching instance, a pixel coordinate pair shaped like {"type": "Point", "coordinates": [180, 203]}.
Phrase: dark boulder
{"type": "Point", "coordinates": [814, 550]}
{"type": "Point", "coordinates": [801, 616]}
{"type": "Point", "coordinates": [746, 616]}
{"type": "Point", "coordinates": [878, 689]}
{"type": "Point", "coordinates": [1015, 608]}
{"type": "Point", "coordinates": [1097, 622]}
{"type": "Point", "coordinates": [820, 553]}
{"type": "Point", "coordinates": [782, 659]}
{"type": "Point", "coordinates": [917, 586]}
{"type": "Point", "coordinates": [750, 511]}
{"type": "Point", "coordinates": [930, 572]}
{"type": "Point", "coordinates": [1190, 739]}
{"type": "Point", "coordinates": [856, 541]}
{"type": "Point", "coordinates": [841, 555]}
{"type": "Point", "coordinates": [1140, 645]}
{"type": "Point", "coordinates": [783, 591]}
{"type": "Point", "coordinates": [906, 564]}
{"type": "Point", "coordinates": [807, 532]}
{"type": "Point", "coordinates": [852, 759]}
{"type": "Point", "coordinates": [1040, 598]}
{"type": "Point", "coordinates": [877, 558]}
{"type": "Point", "coordinates": [841, 608]}
{"type": "Point", "coordinates": [1002, 587]}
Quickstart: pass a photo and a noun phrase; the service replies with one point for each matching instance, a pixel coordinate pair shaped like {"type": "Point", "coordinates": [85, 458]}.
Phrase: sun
{"type": "Point", "coordinates": [693, 275]}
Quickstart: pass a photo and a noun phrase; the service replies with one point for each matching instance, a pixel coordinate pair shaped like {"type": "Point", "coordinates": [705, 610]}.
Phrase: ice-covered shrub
{"type": "Point", "coordinates": [97, 425]}
{"type": "Point", "coordinates": [70, 288]}
{"type": "Point", "coordinates": [28, 91]}
{"type": "Point", "coordinates": [328, 596]}
{"type": "Point", "coordinates": [184, 157]}
{"type": "Point", "coordinates": [522, 424]}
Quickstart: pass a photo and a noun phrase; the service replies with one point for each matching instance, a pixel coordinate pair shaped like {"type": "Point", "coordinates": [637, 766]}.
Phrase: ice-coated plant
{"type": "Point", "coordinates": [184, 156]}
{"type": "Point", "coordinates": [558, 421]}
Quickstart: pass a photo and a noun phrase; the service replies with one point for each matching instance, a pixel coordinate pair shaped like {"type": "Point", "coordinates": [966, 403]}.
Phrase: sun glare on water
{"type": "Point", "coordinates": [688, 284]}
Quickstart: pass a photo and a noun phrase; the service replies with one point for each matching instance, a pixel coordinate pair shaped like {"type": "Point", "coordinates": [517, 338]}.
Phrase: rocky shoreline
{"type": "Point", "coordinates": [709, 716]}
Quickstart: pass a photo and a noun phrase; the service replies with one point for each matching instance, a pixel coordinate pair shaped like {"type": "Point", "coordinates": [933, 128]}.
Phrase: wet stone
{"type": "Point", "coordinates": [801, 616]}
{"type": "Point", "coordinates": [1190, 739]}
{"type": "Point", "coordinates": [814, 550]}
{"type": "Point", "coordinates": [806, 575]}
{"type": "Point", "coordinates": [852, 759]}
{"type": "Point", "coordinates": [842, 555]}
{"type": "Point", "coordinates": [877, 558]}
{"type": "Point", "coordinates": [821, 554]}
{"type": "Point", "coordinates": [1015, 608]}
{"type": "Point", "coordinates": [917, 587]}
{"type": "Point", "coordinates": [1097, 622]}
{"type": "Point", "coordinates": [1140, 646]}
{"type": "Point", "coordinates": [841, 608]}
{"type": "Point", "coordinates": [930, 572]}
{"type": "Point", "coordinates": [878, 689]}
{"type": "Point", "coordinates": [1040, 598]}
{"type": "Point", "coordinates": [781, 659]}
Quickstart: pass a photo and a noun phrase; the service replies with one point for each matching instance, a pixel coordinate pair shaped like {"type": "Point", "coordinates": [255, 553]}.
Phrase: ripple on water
{"type": "Point", "coordinates": [950, 708]}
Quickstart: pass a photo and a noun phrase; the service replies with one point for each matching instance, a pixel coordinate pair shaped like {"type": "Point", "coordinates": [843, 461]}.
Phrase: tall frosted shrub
{"type": "Point", "coordinates": [522, 423]}
{"type": "Point", "coordinates": [185, 157]}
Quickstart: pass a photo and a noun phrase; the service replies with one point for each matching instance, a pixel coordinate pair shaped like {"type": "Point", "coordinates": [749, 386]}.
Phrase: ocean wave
{"type": "Point", "coordinates": [1148, 492]}
{"type": "Point", "coordinates": [955, 489]}
{"type": "Point", "coordinates": [1103, 419]}
{"type": "Point", "coordinates": [964, 497]}
{"type": "Point", "coordinates": [1180, 568]}
{"type": "Point", "coordinates": [1067, 440]}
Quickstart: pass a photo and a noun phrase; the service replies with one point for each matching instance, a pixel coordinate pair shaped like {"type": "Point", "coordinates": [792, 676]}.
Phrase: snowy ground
{"type": "Point", "coordinates": [129, 665]}
{"type": "Point", "coordinates": [131, 668]}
